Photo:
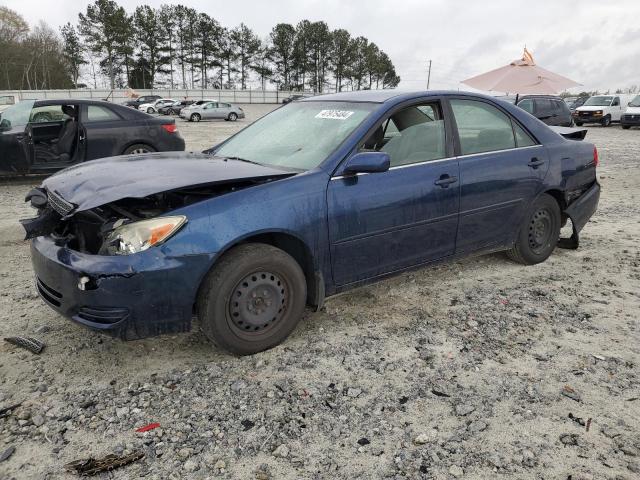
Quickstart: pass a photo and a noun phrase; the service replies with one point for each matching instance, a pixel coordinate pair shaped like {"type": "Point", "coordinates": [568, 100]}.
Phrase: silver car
{"type": "Point", "coordinates": [212, 109]}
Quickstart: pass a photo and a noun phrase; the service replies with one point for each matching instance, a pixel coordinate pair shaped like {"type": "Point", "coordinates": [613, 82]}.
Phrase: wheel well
{"type": "Point", "coordinates": [131, 144]}
{"type": "Point", "coordinates": [301, 253]}
{"type": "Point", "coordinates": [562, 204]}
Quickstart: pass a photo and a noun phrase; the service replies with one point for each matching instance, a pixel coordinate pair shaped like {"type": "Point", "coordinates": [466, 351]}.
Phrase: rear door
{"type": "Point", "coordinates": [103, 131]}
{"type": "Point", "coordinates": [407, 216]}
{"type": "Point", "coordinates": [501, 171]}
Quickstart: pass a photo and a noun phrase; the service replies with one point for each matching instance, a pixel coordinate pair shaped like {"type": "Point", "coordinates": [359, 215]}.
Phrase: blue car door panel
{"type": "Point", "coordinates": [388, 221]}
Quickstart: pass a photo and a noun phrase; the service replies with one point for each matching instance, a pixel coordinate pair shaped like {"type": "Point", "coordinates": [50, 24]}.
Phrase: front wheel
{"type": "Point", "coordinates": [149, 110]}
{"type": "Point", "coordinates": [539, 232]}
{"type": "Point", "coordinates": [171, 111]}
{"type": "Point", "coordinates": [252, 299]}
{"type": "Point", "coordinates": [579, 124]}
{"type": "Point", "coordinates": [194, 118]}
{"type": "Point", "coordinates": [626, 127]}
{"type": "Point", "coordinates": [233, 117]}
{"type": "Point", "coordinates": [606, 121]}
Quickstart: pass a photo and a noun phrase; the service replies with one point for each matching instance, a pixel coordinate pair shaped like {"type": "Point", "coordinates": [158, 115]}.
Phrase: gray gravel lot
{"type": "Point", "coordinates": [478, 369]}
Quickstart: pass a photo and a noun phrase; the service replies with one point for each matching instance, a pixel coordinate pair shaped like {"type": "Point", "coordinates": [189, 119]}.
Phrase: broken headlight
{"type": "Point", "coordinates": [138, 236]}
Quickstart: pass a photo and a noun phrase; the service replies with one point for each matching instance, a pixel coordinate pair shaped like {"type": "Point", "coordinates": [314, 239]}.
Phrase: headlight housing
{"type": "Point", "coordinates": [139, 236]}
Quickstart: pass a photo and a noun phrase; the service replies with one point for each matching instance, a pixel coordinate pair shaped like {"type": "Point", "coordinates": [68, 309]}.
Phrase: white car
{"type": "Point", "coordinates": [602, 109]}
{"type": "Point", "coordinates": [6, 101]}
{"type": "Point", "coordinates": [153, 107]}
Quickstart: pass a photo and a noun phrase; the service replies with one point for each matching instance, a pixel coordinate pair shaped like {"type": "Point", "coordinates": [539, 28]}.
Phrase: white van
{"type": "Point", "coordinates": [631, 117]}
{"type": "Point", "coordinates": [602, 109]}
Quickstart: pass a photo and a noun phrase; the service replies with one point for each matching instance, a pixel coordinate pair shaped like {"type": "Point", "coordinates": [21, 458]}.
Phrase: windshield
{"type": "Point", "coordinates": [598, 101]}
{"type": "Point", "coordinates": [300, 135]}
{"type": "Point", "coordinates": [635, 102]}
{"type": "Point", "coordinates": [17, 114]}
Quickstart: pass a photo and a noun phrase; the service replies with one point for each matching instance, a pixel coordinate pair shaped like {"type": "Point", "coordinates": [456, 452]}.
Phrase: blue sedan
{"type": "Point", "coordinates": [318, 197]}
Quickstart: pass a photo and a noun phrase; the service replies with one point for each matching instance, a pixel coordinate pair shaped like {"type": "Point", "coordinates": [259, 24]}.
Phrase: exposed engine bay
{"type": "Point", "coordinates": [87, 230]}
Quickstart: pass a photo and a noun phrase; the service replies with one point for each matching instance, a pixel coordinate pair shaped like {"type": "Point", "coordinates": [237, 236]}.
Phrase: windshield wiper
{"type": "Point", "coordinates": [243, 160]}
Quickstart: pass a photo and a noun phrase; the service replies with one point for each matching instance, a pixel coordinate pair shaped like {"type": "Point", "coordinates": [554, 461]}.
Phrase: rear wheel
{"type": "Point", "coordinates": [194, 117]}
{"type": "Point", "coordinates": [149, 110]}
{"type": "Point", "coordinates": [252, 299]}
{"type": "Point", "coordinates": [138, 149]}
{"type": "Point", "coordinates": [538, 233]}
{"type": "Point", "coordinates": [233, 116]}
{"type": "Point", "coordinates": [171, 111]}
{"type": "Point", "coordinates": [606, 121]}
{"type": "Point", "coordinates": [626, 127]}
{"type": "Point", "coordinates": [579, 124]}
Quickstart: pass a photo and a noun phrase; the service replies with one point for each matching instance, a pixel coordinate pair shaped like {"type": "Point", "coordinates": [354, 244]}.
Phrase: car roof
{"type": "Point", "coordinates": [390, 95]}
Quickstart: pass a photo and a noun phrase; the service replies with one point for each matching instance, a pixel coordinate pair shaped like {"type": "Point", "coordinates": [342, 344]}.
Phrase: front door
{"type": "Point", "coordinates": [501, 172]}
{"type": "Point", "coordinates": [209, 110]}
{"type": "Point", "coordinates": [54, 133]}
{"type": "Point", "coordinates": [384, 222]}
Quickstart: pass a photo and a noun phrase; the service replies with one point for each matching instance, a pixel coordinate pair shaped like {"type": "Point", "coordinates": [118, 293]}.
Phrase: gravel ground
{"type": "Point", "coordinates": [478, 369]}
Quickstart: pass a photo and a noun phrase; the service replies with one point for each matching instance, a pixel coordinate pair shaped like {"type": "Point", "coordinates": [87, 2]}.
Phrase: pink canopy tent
{"type": "Point", "coordinates": [522, 77]}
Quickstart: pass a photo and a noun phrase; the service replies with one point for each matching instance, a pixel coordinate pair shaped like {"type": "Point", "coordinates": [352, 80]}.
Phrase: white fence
{"type": "Point", "coordinates": [119, 96]}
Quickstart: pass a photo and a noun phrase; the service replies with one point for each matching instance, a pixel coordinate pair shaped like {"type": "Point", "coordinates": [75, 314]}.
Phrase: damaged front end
{"type": "Point", "coordinates": [94, 262]}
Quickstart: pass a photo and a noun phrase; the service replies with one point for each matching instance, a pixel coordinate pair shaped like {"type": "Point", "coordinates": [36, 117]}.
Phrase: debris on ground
{"type": "Point", "coordinates": [7, 453]}
{"type": "Point", "coordinates": [569, 392]}
{"type": "Point", "coordinates": [148, 427]}
{"type": "Point", "coordinates": [91, 466]}
{"type": "Point", "coordinates": [29, 343]}
{"type": "Point", "coordinates": [6, 411]}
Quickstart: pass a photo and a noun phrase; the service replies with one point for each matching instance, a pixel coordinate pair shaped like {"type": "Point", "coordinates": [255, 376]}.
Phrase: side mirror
{"type": "Point", "coordinates": [629, 104]}
{"type": "Point", "coordinates": [368, 162]}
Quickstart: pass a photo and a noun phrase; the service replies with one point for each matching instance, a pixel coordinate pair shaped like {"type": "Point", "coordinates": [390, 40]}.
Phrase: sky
{"type": "Point", "coordinates": [594, 42]}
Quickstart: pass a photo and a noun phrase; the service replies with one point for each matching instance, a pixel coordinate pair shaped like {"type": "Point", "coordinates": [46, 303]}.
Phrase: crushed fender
{"type": "Point", "coordinates": [91, 466]}
{"type": "Point", "coordinates": [29, 343]}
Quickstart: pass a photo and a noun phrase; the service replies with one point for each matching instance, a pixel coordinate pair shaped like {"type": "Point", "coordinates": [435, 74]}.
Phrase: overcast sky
{"type": "Point", "coordinates": [595, 42]}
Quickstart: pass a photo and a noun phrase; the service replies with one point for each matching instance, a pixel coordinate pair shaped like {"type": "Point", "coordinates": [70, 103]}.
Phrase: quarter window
{"type": "Point", "coordinates": [96, 113]}
{"type": "Point", "coordinates": [482, 127]}
{"type": "Point", "coordinates": [522, 138]}
{"type": "Point", "coordinates": [526, 105]}
{"type": "Point", "coordinates": [413, 135]}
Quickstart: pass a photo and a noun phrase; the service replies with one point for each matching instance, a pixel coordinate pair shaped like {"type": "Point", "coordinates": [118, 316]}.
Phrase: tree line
{"type": "Point", "coordinates": [175, 46]}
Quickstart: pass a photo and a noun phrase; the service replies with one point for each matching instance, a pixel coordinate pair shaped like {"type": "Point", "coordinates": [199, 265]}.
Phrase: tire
{"type": "Point", "coordinates": [171, 111]}
{"type": "Point", "coordinates": [138, 149]}
{"type": "Point", "coordinates": [579, 124]}
{"type": "Point", "coordinates": [195, 117]}
{"type": "Point", "coordinates": [539, 232]}
{"type": "Point", "coordinates": [256, 324]}
{"type": "Point", "coordinates": [606, 121]}
{"type": "Point", "coordinates": [233, 117]}
{"type": "Point", "coordinates": [626, 127]}
{"type": "Point", "coordinates": [149, 110]}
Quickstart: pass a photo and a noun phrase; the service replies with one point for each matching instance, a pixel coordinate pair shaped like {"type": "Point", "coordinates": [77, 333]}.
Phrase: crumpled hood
{"type": "Point", "coordinates": [98, 182]}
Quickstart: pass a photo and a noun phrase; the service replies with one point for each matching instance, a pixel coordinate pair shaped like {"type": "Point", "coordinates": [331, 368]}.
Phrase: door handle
{"type": "Point", "coordinates": [535, 162]}
{"type": "Point", "coordinates": [445, 180]}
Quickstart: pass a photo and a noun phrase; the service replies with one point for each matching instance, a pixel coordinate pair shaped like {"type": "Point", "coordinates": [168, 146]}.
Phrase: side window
{"type": "Point", "coordinates": [545, 107]}
{"type": "Point", "coordinates": [224, 105]}
{"type": "Point", "coordinates": [96, 113]}
{"type": "Point", "coordinates": [522, 138]}
{"type": "Point", "coordinates": [48, 113]}
{"type": "Point", "coordinates": [561, 107]}
{"type": "Point", "coordinates": [412, 135]}
{"type": "Point", "coordinates": [482, 127]}
{"type": "Point", "coordinates": [616, 102]}
{"type": "Point", "coordinates": [527, 105]}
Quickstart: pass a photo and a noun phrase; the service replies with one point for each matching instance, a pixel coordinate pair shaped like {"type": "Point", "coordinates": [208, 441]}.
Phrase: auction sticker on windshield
{"type": "Point", "coordinates": [334, 114]}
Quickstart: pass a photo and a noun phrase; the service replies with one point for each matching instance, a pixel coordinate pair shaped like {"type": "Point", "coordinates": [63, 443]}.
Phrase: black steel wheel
{"type": "Point", "coordinates": [606, 121]}
{"type": "Point", "coordinates": [539, 232]}
{"type": "Point", "coordinates": [252, 299]}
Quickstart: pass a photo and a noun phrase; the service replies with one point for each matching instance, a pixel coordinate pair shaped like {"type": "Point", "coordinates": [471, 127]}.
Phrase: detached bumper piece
{"type": "Point", "coordinates": [580, 211]}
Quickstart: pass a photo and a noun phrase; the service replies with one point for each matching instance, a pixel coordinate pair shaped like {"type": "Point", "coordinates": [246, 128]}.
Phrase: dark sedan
{"type": "Point", "coordinates": [313, 199]}
{"type": "Point", "coordinates": [175, 108]}
{"type": "Point", "coordinates": [42, 136]}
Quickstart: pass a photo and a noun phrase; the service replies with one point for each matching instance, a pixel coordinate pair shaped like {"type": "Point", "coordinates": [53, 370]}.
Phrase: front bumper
{"type": "Point", "coordinates": [630, 120]}
{"type": "Point", "coordinates": [588, 118]}
{"type": "Point", "coordinates": [130, 297]}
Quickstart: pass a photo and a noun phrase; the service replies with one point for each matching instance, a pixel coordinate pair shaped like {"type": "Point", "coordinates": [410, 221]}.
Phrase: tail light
{"type": "Point", "coordinates": [170, 127]}
{"type": "Point", "coordinates": [596, 160]}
